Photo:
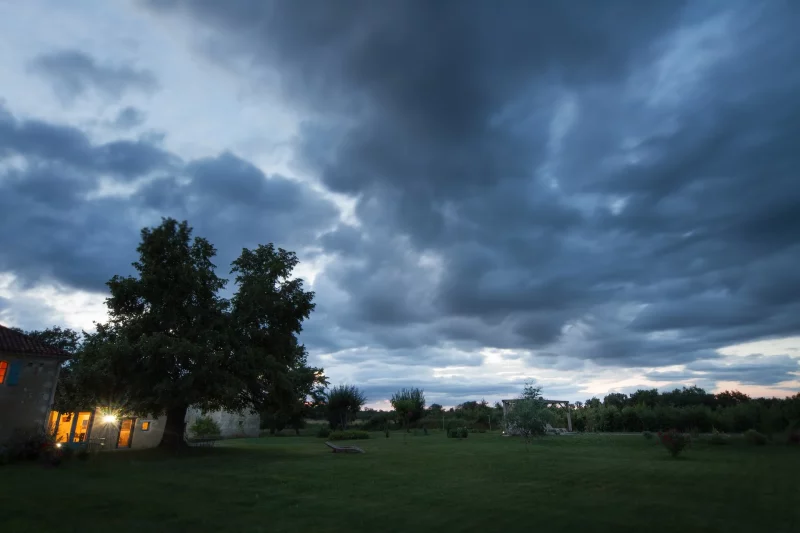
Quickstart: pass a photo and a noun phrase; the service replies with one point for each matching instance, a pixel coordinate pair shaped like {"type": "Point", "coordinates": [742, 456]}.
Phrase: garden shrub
{"type": "Point", "coordinates": [83, 454]}
{"type": "Point", "coordinates": [67, 452]}
{"type": "Point", "coordinates": [350, 434]}
{"type": "Point", "coordinates": [718, 438]}
{"type": "Point", "coordinates": [647, 435]}
{"type": "Point", "coordinates": [430, 422]}
{"type": "Point", "coordinates": [455, 423]}
{"type": "Point", "coordinates": [205, 426]}
{"type": "Point", "coordinates": [323, 432]}
{"type": "Point", "coordinates": [377, 422]}
{"type": "Point", "coordinates": [754, 437]}
{"type": "Point", "coordinates": [30, 445]}
{"type": "Point", "coordinates": [793, 436]}
{"type": "Point", "coordinates": [674, 441]}
{"type": "Point", "coordinates": [458, 433]}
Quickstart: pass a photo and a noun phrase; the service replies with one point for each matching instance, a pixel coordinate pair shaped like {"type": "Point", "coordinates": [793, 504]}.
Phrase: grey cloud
{"type": "Point", "coordinates": [129, 117]}
{"type": "Point", "coordinates": [457, 143]}
{"type": "Point", "coordinates": [749, 370]}
{"type": "Point", "coordinates": [58, 228]}
{"type": "Point", "coordinates": [752, 369]}
{"type": "Point", "coordinates": [42, 142]}
{"type": "Point", "coordinates": [74, 73]}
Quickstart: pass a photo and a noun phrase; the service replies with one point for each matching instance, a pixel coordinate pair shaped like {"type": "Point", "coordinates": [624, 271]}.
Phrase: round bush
{"type": "Point", "coordinates": [754, 437]}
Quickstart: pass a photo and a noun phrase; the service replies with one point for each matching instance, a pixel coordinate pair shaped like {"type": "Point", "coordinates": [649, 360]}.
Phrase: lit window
{"type": "Point", "coordinates": [145, 426]}
{"type": "Point", "coordinates": [3, 370]}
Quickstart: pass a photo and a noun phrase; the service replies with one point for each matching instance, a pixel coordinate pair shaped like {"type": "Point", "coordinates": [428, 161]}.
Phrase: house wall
{"type": "Point", "coordinates": [232, 425]}
{"type": "Point", "coordinates": [109, 432]}
{"type": "Point", "coordinates": [27, 404]}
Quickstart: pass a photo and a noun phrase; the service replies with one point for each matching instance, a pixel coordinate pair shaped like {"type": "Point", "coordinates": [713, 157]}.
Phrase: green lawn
{"type": "Point", "coordinates": [485, 483]}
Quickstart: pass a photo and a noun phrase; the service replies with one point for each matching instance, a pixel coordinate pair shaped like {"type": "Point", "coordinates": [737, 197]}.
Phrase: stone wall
{"type": "Point", "coordinates": [27, 403]}
{"type": "Point", "coordinates": [232, 425]}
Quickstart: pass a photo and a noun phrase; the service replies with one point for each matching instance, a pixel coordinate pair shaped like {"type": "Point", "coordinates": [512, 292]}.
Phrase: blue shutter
{"type": "Point", "coordinates": [13, 372]}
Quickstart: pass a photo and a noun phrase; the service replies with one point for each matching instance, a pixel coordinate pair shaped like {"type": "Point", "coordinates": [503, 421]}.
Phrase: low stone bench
{"type": "Point", "coordinates": [344, 449]}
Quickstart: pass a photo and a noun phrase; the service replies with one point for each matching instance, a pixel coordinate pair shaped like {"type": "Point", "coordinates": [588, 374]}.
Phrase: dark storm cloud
{"type": "Point", "coordinates": [129, 117]}
{"type": "Point", "coordinates": [74, 73]}
{"type": "Point", "coordinates": [59, 224]}
{"type": "Point", "coordinates": [621, 171]}
{"type": "Point", "coordinates": [51, 144]}
{"type": "Point", "coordinates": [749, 370]}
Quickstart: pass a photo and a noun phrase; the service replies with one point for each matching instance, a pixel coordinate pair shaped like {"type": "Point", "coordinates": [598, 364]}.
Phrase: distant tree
{"type": "Point", "coordinates": [409, 404]}
{"type": "Point", "coordinates": [592, 403]}
{"type": "Point", "coordinates": [616, 399]}
{"type": "Point", "coordinates": [63, 338]}
{"type": "Point", "coordinates": [342, 403]}
{"type": "Point", "coordinates": [731, 398]}
{"type": "Point", "coordinates": [648, 398]}
{"type": "Point", "coordinates": [435, 409]}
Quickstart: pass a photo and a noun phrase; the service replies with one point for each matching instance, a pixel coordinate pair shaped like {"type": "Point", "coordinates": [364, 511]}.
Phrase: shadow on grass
{"type": "Point", "coordinates": [237, 453]}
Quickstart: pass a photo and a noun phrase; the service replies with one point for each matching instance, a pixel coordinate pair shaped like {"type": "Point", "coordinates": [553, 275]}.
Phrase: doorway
{"type": "Point", "coordinates": [125, 432]}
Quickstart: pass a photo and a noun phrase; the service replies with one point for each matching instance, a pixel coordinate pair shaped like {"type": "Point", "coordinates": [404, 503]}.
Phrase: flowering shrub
{"type": "Point", "coordinates": [674, 441]}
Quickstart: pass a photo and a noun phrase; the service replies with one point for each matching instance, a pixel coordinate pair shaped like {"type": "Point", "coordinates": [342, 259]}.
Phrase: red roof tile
{"type": "Point", "coordinates": [15, 342]}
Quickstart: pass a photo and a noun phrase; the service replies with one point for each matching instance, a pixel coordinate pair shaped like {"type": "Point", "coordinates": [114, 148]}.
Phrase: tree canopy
{"type": "Point", "coordinates": [409, 404]}
{"type": "Point", "coordinates": [342, 404]}
{"type": "Point", "coordinates": [172, 341]}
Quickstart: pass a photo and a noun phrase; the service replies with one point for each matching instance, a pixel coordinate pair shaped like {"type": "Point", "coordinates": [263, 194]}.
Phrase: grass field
{"type": "Point", "coordinates": [484, 483]}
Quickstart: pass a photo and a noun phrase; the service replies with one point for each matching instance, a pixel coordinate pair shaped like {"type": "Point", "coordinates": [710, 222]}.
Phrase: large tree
{"type": "Point", "coordinates": [174, 342]}
{"type": "Point", "coordinates": [290, 406]}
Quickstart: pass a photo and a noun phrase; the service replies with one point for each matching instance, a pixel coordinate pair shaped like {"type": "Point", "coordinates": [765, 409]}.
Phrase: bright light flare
{"type": "Point", "coordinates": [109, 419]}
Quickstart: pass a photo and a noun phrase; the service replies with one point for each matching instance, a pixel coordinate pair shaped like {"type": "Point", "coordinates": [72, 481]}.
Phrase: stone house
{"type": "Point", "coordinates": [28, 378]}
{"type": "Point", "coordinates": [109, 430]}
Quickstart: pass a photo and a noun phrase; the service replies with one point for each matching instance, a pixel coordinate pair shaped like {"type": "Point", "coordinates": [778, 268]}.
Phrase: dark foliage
{"type": "Point", "coordinates": [349, 435]}
{"type": "Point", "coordinates": [674, 441]}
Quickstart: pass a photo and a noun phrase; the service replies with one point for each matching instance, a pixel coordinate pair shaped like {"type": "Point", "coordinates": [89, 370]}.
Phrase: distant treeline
{"type": "Point", "coordinates": [685, 409]}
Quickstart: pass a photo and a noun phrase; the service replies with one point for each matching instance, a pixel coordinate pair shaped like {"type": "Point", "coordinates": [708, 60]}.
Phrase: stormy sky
{"type": "Point", "coordinates": [598, 196]}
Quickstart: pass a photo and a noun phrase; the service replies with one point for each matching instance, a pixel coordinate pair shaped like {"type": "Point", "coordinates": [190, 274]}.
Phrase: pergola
{"type": "Point", "coordinates": [548, 403]}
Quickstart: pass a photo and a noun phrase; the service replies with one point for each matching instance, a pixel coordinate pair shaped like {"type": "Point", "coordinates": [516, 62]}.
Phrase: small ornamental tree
{"type": "Point", "coordinates": [529, 416]}
{"type": "Point", "coordinates": [342, 403]}
{"type": "Point", "coordinates": [409, 405]}
{"type": "Point", "coordinates": [674, 441]}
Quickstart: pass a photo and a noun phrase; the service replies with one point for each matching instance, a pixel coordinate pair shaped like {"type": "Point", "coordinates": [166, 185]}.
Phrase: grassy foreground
{"type": "Point", "coordinates": [484, 483]}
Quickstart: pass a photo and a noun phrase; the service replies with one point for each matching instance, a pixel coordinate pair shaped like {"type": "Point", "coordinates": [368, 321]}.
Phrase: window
{"type": "Point", "coordinates": [12, 375]}
{"type": "Point", "coordinates": [145, 426]}
{"type": "Point", "coordinates": [3, 370]}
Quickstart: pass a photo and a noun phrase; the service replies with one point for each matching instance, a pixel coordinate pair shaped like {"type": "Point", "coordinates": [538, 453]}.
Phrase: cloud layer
{"type": "Point", "coordinates": [583, 186]}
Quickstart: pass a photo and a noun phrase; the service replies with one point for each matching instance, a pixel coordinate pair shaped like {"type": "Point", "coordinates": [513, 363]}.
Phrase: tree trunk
{"type": "Point", "coordinates": [175, 428]}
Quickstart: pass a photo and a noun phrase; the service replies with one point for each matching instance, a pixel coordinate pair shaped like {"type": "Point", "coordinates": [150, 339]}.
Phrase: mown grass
{"type": "Point", "coordinates": [484, 483]}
